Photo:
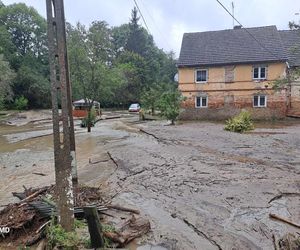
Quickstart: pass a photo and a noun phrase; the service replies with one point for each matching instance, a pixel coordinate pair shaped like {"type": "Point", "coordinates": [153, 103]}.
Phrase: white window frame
{"type": "Point", "coordinates": [258, 101]}
{"type": "Point", "coordinates": [206, 70]}
{"type": "Point", "coordinates": [259, 73]}
{"type": "Point", "coordinates": [201, 102]}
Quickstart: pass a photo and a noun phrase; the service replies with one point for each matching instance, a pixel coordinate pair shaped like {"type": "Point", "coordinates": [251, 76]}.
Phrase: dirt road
{"type": "Point", "coordinates": [201, 187]}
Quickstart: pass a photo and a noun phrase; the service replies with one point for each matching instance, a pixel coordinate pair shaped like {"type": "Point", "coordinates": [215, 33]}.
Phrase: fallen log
{"type": "Point", "coordinates": [112, 117]}
{"type": "Point", "coordinates": [115, 237]}
{"type": "Point", "coordinates": [134, 228]}
{"type": "Point", "coordinates": [277, 217]}
{"type": "Point", "coordinates": [117, 207]}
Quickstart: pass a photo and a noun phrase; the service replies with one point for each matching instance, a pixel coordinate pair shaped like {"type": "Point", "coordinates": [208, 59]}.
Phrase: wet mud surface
{"type": "Point", "coordinates": [200, 186]}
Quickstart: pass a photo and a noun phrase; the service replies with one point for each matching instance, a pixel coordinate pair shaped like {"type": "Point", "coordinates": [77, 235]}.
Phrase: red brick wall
{"type": "Point", "coordinates": [222, 105]}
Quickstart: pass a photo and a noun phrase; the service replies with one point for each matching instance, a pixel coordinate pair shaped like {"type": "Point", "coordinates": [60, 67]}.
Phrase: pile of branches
{"type": "Point", "coordinates": [28, 218]}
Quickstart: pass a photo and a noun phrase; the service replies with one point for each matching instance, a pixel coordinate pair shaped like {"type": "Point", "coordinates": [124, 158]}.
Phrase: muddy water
{"type": "Point", "coordinates": [203, 187]}
{"type": "Point", "coordinates": [28, 149]}
{"type": "Point", "coordinates": [200, 186]}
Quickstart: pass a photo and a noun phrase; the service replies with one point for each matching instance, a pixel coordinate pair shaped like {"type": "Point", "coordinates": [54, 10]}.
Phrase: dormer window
{"type": "Point", "coordinates": [201, 75]}
{"type": "Point", "coordinates": [259, 73]}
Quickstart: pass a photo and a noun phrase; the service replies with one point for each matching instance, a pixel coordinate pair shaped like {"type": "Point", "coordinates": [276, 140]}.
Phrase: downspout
{"type": "Point", "coordinates": [289, 87]}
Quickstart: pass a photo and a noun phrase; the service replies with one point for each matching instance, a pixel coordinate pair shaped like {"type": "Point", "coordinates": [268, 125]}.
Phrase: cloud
{"type": "Point", "coordinates": [169, 19]}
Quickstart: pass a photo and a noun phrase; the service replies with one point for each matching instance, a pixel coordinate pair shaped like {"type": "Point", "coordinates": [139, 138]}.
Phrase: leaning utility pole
{"type": "Point", "coordinates": [64, 145]}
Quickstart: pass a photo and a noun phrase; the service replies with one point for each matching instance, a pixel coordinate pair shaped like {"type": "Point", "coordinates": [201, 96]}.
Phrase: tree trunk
{"type": "Point", "coordinates": [89, 122]}
{"type": "Point", "coordinates": [152, 111]}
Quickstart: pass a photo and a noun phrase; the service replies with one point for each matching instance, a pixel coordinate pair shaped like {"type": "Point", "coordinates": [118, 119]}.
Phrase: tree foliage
{"type": "Point", "coordinates": [113, 65]}
{"type": "Point", "coordinates": [6, 77]}
{"type": "Point", "coordinates": [169, 105]}
{"type": "Point", "coordinates": [23, 43]}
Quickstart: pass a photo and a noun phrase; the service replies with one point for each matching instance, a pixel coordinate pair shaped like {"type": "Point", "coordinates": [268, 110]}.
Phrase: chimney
{"type": "Point", "coordinates": [237, 27]}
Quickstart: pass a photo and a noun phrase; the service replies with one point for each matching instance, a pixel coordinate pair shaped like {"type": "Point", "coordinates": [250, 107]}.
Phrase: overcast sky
{"type": "Point", "coordinates": [169, 19]}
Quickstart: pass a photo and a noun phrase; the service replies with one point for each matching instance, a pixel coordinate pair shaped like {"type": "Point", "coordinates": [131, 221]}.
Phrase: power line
{"type": "Point", "coordinates": [248, 31]}
{"type": "Point", "coordinates": [142, 16]}
{"type": "Point", "coordinates": [162, 35]}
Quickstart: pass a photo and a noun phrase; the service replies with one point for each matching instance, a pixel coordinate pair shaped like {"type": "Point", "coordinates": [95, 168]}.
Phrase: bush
{"type": "Point", "coordinates": [91, 117]}
{"type": "Point", "coordinates": [21, 103]}
{"type": "Point", "coordinates": [240, 123]}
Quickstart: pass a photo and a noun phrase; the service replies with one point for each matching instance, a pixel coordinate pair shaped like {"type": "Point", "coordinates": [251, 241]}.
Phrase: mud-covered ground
{"type": "Point", "coordinates": [200, 186]}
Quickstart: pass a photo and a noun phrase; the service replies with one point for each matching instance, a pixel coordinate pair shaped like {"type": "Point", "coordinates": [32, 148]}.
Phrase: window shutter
{"type": "Point", "coordinates": [229, 74]}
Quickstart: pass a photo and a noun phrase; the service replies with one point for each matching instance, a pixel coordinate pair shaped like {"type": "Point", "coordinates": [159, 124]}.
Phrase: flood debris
{"type": "Point", "coordinates": [277, 217]}
{"type": "Point", "coordinates": [289, 242]}
{"type": "Point", "coordinates": [41, 174]}
{"type": "Point", "coordinates": [129, 230]}
{"type": "Point", "coordinates": [279, 196]}
{"type": "Point", "coordinates": [28, 218]}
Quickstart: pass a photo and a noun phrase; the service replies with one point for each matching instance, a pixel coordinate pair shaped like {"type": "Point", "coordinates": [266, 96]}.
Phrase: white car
{"type": "Point", "coordinates": [134, 107]}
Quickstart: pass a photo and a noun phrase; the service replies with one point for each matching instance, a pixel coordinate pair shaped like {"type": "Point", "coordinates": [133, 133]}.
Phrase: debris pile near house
{"type": "Point", "coordinates": [28, 219]}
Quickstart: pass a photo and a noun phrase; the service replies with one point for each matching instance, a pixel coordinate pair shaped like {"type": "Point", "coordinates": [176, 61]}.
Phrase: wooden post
{"type": "Point", "coordinates": [95, 229]}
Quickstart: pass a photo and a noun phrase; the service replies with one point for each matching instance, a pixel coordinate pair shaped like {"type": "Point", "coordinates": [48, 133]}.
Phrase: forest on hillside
{"type": "Point", "coordinates": [113, 65]}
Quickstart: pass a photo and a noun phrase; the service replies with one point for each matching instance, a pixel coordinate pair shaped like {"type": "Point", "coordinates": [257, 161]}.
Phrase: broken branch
{"type": "Point", "coordinates": [277, 217]}
{"type": "Point", "coordinates": [41, 174]}
{"type": "Point", "coordinates": [28, 198]}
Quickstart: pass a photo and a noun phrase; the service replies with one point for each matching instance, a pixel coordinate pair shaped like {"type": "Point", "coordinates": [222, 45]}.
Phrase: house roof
{"type": "Point", "coordinates": [83, 101]}
{"type": "Point", "coordinates": [231, 47]}
{"type": "Point", "coordinates": [291, 42]}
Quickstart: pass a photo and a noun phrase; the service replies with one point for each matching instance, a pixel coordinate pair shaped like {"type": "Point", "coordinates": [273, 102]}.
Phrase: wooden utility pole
{"type": "Point", "coordinates": [64, 144]}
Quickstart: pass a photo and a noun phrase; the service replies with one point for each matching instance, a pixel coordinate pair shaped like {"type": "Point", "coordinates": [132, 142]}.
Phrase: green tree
{"type": "Point", "coordinates": [6, 78]}
{"type": "Point", "coordinates": [133, 67]}
{"type": "Point", "coordinates": [26, 27]}
{"type": "Point", "coordinates": [99, 42]}
{"type": "Point", "coordinates": [24, 45]}
{"type": "Point", "coordinates": [150, 99]}
{"type": "Point", "coordinates": [151, 96]}
{"type": "Point", "coordinates": [136, 40]}
{"type": "Point", "coordinates": [294, 72]}
{"type": "Point", "coordinates": [92, 76]}
{"type": "Point", "coordinates": [169, 105]}
{"type": "Point", "coordinates": [120, 35]}
{"type": "Point", "coordinates": [294, 26]}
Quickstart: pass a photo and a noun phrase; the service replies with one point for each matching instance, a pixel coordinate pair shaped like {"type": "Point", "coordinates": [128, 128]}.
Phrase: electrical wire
{"type": "Point", "coordinates": [165, 41]}
{"type": "Point", "coordinates": [280, 59]}
{"type": "Point", "coordinates": [142, 16]}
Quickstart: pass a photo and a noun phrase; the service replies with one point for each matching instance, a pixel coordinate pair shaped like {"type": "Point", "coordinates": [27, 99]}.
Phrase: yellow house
{"type": "Point", "coordinates": [222, 72]}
